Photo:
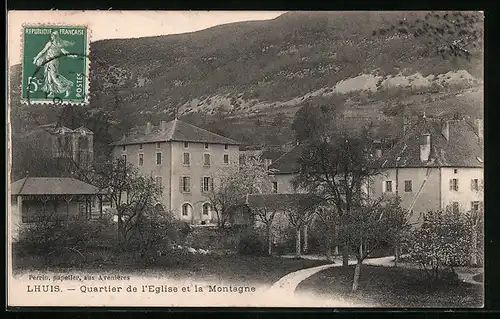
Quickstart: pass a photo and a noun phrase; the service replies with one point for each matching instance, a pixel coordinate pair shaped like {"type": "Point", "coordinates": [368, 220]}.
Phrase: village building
{"type": "Point", "coordinates": [38, 199]}
{"type": "Point", "coordinates": [436, 165]}
{"type": "Point", "coordinates": [183, 159]}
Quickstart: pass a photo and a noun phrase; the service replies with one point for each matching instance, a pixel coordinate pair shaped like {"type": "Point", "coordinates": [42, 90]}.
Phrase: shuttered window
{"type": "Point", "coordinates": [186, 159]}
{"type": "Point", "coordinates": [454, 184]}
{"type": "Point", "coordinates": [185, 184]}
{"type": "Point", "coordinates": [474, 184]}
{"type": "Point", "coordinates": [206, 184]}
{"type": "Point", "coordinates": [408, 186]}
{"type": "Point", "coordinates": [206, 159]}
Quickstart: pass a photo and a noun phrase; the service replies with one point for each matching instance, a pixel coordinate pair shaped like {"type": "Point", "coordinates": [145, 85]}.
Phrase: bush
{"type": "Point", "coordinates": [251, 243]}
{"type": "Point", "coordinates": [67, 241]}
{"type": "Point", "coordinates": [442, 242]}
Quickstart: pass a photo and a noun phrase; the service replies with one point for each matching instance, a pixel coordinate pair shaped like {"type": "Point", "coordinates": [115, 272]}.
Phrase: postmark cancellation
{"type": "Point", "coordinates": [55, 64]}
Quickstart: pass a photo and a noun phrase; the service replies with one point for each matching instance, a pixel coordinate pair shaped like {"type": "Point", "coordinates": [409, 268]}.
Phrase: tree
{"type": "Point", "coordinates": [310, 122]}
{"type": "Point", "coordinates": [300, 210]}
{"type": "Point", "coordinates": [371, 224]}
{"type": "Point", "coordinates": [233, 184]}
{"type": "Point", "coordinates": [448, 34]}
{"type": "Point", "coordinates": [328, 219]}
{"type": "Point", "coordinates": [337, 167]}
{"type": "Point", "coordinates": [265, 214]}
{"type": "Point", "coordinates": [131, 194]}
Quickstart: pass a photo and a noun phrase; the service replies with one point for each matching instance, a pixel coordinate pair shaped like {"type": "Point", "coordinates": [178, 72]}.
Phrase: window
{"type": "Point", "coordinates": [185, 184]}
{"type": "Point", "coordinates": [186, 209]}
{"type": "Point", "coordinates": [186, 159]}
{"type": "Point", "coordinates": [124, 148]}
{"type": "Point", "coordinates": [455, 171]}
{"type": "Point", "coordinates": [206, 146]}
{"type": "Point", "coordinates": [205, 186]}
{"type": "Point", "coordinates": [158, 180]}
{"type": "Point", "coordinates": [455, 207]}
{"type": "Point", "coordinates": [408, 186]}
{"type": "Point", "coordinates": [206, 209]}
{"type": "Point", "coordinates": [186, 145]}
{"type": "Point", "coordinates": [454, 184]}
{"type": "Point", "coordinates": [475, 206]}
{"type": "Point", "coordinates": [388, 186]}
{"type": "Point", "coordinates": [158, 158]}
{"type": "Point", "coordinates": [206, 159]}
{"type": "Point", "coordinates": [158, 145]}
{"type": "Point", "coordinates": [124, 158]}
{"type": "Point", "coordinates": [226, 146]}
{"type": "Point", "coordinates": [226, 159]}
{"type": "Point", "coordinates": [141, 159]}
{"type": "Point", "coordinates": [275, 187]}
{"type": "Point", "coordinates": [474, 184]}
{"type": "Point", "coordinates": [140, 146]}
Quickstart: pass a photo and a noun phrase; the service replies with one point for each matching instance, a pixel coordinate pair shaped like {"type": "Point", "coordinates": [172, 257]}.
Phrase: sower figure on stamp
{"type": "Point", "coordinates": [53, 81]}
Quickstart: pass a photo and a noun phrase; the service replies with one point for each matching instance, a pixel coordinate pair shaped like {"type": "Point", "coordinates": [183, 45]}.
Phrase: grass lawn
{"type": "Point", "coordinates": [227, 268]}
{"type": "Point", "coordinates": [393, 287]}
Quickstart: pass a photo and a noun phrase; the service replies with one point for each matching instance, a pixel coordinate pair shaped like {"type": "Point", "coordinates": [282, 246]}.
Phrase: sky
{"type": "Point", "coordinates": [126, 24]}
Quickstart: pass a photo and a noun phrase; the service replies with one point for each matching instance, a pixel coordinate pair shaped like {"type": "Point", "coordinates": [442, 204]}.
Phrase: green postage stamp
{"type": "Point", "coordinates": [55, 64]}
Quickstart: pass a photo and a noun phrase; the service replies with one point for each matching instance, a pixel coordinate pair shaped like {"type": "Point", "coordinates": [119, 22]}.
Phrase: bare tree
{"type": "Point", "coordinates": [370, 225]}
{"type": "Point", "coordinates": [131, 194]}
{"type": "Point", "coordinates": [300, 210]}
{"type": "Point", "coordinates": [232, 184]}
{"type": "Point", "coordinates": [338, 167]}
{"type": "Point", "coordinates": [265, 215]}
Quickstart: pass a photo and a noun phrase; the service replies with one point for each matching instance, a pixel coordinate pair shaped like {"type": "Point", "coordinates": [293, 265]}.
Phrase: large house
{"type": "Point", "coordinates": [182, 158]}
{"type": "Point", "coordinates": [36, 199]}
{"type": "Point", "coordinates": [435, 166]}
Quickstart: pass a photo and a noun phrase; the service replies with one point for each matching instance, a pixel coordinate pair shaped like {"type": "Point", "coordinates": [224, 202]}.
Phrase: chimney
{"type": "Point", "coordinates": [163, 126]}
{"type": "Point", "coordinates": [479, 128]}
{"type": "Point", "coordinates": [148, 128]}
{"type": "Point", "coordinates": [446, 130]}
{"type": "Point", "coordinates": [425, 147]}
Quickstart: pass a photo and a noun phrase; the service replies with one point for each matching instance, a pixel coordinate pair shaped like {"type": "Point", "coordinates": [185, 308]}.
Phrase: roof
{"type": "Point", "coordinates": [175, 130]}
{"type": "Point", "coordinates": [463, 148]}
{"type": "Point", "coordinates": [280, 201]}
{"type": "Point", "coordinates": [52, 186]}
{"type": "Point", "coordinates": [288, 162]}
{"type": "Point", "coordinates": [272, 154]}
{"type": "Point", "coordinates": [55, 128]}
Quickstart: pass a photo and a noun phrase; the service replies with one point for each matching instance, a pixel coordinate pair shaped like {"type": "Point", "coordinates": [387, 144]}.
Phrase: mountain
{"type": "Point", "coordinates": [239, 78]}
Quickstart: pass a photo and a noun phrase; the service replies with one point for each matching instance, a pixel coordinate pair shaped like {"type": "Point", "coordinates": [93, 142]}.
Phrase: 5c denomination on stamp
{"type": "Point", "coordinates": [55, 64]}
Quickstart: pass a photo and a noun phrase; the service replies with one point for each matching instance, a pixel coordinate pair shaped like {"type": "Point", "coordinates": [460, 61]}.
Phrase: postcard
{"type": "Point", "coordinates": [245, 159]}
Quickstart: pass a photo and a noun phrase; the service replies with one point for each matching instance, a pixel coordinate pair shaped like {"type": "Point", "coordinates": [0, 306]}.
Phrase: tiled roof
{"type": "Point", "coordinates": [288, 162]}
{"type": "Point", "coordinates": [52, 186]}
{"type": "Point", "coordinates": [175, 130]}
{"type": "Point", "coordinates": [463, 148]}
{"type": "Point", "coordinates": [271, 154]}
